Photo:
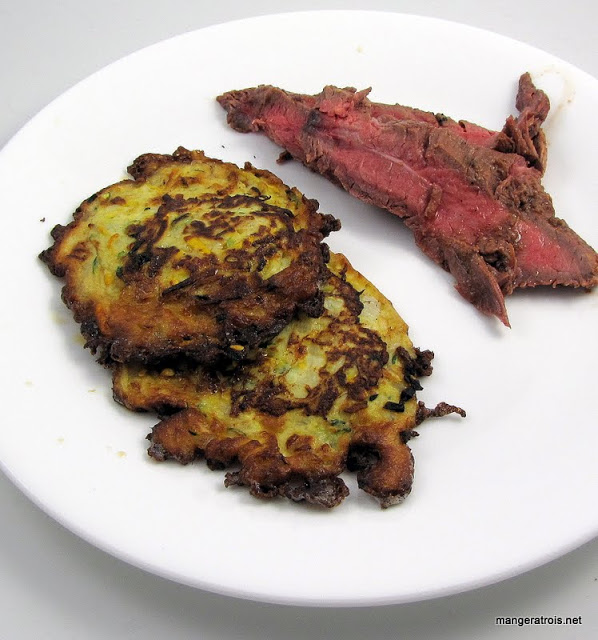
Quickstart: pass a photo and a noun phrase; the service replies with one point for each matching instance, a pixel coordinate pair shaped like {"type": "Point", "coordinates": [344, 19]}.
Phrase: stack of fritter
{"type": "Point", "coordinates": [208, 291]}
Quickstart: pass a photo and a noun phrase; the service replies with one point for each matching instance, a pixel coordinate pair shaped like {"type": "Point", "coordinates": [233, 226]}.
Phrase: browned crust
{"type": "Point", "coordinates": [373, 445]}
{"type": "Point", "coordinates": [213, 315]}
{"type": "Point", "coordinates": [263, 469]}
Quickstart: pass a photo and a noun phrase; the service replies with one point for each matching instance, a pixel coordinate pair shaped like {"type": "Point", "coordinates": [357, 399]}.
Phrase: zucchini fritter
{"type": "Point", "coordinates": [328, 393]}
{"type": "Point", "coordinates": [192, 258]}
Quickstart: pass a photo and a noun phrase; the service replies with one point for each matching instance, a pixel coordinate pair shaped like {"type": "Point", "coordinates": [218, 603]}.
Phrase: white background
{"type": "Point", "coordinates": [52, 584]}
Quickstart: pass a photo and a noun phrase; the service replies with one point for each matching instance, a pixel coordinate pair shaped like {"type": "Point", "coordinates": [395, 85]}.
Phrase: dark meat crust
{"type": "Point", "coordinates": [524, 135]}
{"type": "Point", "coordinates": [473, 198]}
{"type": "Point", "coordinates": [327, 394]}
{"type": "Point", "coordinates": [204, 275]}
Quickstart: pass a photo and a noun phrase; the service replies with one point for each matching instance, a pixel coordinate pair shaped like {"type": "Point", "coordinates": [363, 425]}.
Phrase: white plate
{"type": "Point", "coordinates": [511, 487]}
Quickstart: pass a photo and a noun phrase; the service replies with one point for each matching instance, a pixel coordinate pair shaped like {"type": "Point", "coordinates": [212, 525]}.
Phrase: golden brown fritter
{"type": "Point", "coordinates": [192, 258]}
{"type": "Point", "coordinates": [328, 393]}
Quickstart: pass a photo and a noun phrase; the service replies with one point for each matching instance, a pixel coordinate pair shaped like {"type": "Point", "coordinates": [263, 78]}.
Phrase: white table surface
{"type": "Point", "coordinates": [54, 585]}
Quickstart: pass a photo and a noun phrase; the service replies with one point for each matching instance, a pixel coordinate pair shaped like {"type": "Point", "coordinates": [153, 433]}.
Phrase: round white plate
{"type": "Point", "coordinates": [508, 488]}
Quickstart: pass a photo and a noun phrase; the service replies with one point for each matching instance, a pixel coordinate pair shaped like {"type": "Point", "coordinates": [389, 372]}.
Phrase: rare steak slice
{"type": "Point", "coordinates": [472, 197]}
{"type": "Point", "coordinates": [522, 135]}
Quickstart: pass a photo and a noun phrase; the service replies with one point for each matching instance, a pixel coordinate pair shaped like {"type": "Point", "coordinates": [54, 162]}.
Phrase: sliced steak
{"type": "Point", "coordinates": [522, 135]}
{"type": "Point", "coordinates": [472, 197]}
